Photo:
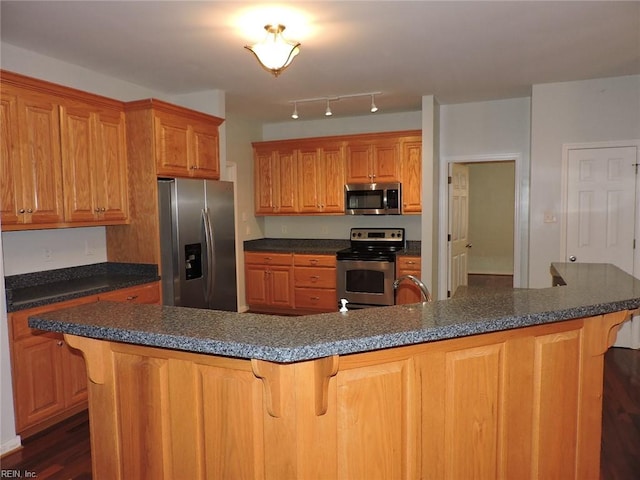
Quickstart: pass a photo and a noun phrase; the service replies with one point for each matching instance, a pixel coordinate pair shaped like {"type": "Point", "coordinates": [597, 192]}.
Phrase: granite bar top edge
{"type": "Point", "coordinates": [290, 339]}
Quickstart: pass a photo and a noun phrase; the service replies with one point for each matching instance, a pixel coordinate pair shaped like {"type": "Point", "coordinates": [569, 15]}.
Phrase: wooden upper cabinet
{"type": "Point", "coordinates": [94, 164]}
{"type": "Point", "coordinates": [264, 179]}
{"type": "Point", "coordinates": [373, 161]}
{"type": "Point", "coordinates": [276, 182]}
{"type": "Point", "coordinates": [31, 183]}
{"type": "Point", "coordinates": [63, 156]}
{"type": "Point", "coordinates": [307, 176]}
{"type": "Point", "coordinates": [321, 179]}
{"type": "Point", "coordinates": [187, 143]}
{"type": "Point", "coordinates": [287, 181]}
{"type": "Point", "coordinates": [411, 174]}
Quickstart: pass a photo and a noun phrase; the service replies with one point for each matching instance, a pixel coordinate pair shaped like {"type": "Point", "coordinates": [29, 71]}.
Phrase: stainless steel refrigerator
{"type": "Point", "coordinates": [197, 241]}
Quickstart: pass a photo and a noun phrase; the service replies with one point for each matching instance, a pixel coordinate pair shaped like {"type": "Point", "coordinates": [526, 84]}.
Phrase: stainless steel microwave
{"type": "Point", "coordinates": [373, 199]}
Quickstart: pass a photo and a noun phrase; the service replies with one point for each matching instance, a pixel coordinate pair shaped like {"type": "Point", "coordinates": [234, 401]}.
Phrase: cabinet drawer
{"type": "Point", "coordinates": [19, 320]}
{"type": "Point", "coordinates": [305, 260]}
{"type": "Point", "coordinates": [407, 263]}
{"type": "Point", "coordinates": [316, 299]}
{"type": "Point", "coordinates": [268, 258]}
{"type": "Point", "coordinates": [148, 293]}
{"type": "Point", "coordinates": [314, 277]}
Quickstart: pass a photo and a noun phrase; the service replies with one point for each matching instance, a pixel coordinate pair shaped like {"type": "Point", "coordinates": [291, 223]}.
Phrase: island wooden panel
{"type": "Point", "coordinates": [523, 403]}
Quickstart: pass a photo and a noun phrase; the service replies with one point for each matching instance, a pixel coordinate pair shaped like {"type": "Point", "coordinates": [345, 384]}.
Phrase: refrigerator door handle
{"type": "Point", "coordinates": [208, 232]}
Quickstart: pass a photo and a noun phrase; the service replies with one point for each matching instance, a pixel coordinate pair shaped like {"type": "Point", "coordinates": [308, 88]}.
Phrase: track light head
{"type": "Point", "coordinates": [328, 111]}
{"type": "Point", "coordinates": [374, 108]}
{"type": "Point", "coordinates": [294, 115]}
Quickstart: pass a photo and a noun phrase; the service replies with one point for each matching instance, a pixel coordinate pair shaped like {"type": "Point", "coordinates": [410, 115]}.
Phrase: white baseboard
{"type": "Point", "coordinates": [10, 445]}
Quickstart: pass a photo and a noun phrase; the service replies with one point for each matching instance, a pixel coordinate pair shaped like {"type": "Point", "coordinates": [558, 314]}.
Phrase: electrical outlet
{"type": "Point", "coordinates": [284, 229]}
{"type": "Point", "coordinates": [549, 217]}
{"type": "Point", "coordinates": [47, 254]}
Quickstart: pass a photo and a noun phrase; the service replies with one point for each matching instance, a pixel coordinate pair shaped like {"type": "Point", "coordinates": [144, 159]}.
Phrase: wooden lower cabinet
{"type": "Point", "coordinates": [523, 403]}
{"type": "Point", "coordinates": [269, 281]}
{"type": "Point", "coordinates": [407, 291]}
{"type": "Point", "coordinates": [314, 279]}
{"type": "Point", "coordinates": [49, 377]}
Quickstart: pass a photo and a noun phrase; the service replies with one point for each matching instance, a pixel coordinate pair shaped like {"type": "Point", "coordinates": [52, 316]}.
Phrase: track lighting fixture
{"type": "Point", "coordinates": [327, 100]}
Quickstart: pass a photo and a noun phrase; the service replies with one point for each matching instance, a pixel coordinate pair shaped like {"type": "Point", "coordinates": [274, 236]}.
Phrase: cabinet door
{"type": "Point", "coordinates": [256, 285]}
{"type": "Point", "coordinates": [287, 186]}
{"type": "Point", "coordinates": [309, 175]}
{"type": "Point", "coordinates": [386, 161]}
{"type": "Point", "coordinates": [10, 168]}
{"type": "Point", "coordinates": [172, 145]}
{"type": "Point", "coordinates": [411, 176]}
{"type": "Point", "coordinates": [39, 138]}
{"type": "Point", "coordinates": [280, 281]}
{"type": "Point", "coordinates": [77, 150]}
{"type": "Point", "coordinates": [408, 292]}
{"type": "Point", "coordinates": [74, 376]}
{"type": "Point", "coordinates": [110, 174]}
{"type": "Point", "coordinates": [332, 179]}
{"type": "Point", "coordinates": [37, 376]}
{"type": "Point", "coordinates": [206, 156]}
{"type": "Point", "coordinates": [359, 157]}
{"type": "Point", "coordinates": [265, 189]}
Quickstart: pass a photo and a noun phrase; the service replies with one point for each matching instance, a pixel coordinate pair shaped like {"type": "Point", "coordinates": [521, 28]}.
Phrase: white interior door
{"type": "Point", "coordinates": [459, 226]}
{"type": "Point", "coordinates": [602, 203]}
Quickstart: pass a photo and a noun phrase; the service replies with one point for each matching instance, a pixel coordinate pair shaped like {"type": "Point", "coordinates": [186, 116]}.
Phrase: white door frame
{"type": "Point", "coordinates": [564, 201]}
{"type": "Point", "coordinates": [520, 221]}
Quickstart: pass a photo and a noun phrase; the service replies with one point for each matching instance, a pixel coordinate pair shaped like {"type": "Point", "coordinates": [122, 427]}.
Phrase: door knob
{"type": "Point", "coordinates": [572, 258]}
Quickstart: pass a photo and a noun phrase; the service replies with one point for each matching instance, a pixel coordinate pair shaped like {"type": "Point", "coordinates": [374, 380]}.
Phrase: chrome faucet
{"type": "Point", "coordinates": [423, 288]}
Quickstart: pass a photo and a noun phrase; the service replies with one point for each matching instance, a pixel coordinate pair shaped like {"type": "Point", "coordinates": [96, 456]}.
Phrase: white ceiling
{"type": "Point", "coordinates": [457, 51]}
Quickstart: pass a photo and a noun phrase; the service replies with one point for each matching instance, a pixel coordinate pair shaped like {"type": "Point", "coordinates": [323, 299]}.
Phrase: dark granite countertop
{"type": "Point", "coordinates": [592, 289]}
{"type": "Point", "coordinates": [307, 245]}
{"type": "Point", "coordinates": [51, 286]}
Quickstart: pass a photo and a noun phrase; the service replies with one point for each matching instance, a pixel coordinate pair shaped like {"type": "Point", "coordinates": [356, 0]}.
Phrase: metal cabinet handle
{"type": "Point", "coordinates": [572, 258]}
{"type": "Point", "coordinates": [469, 245]}
{"type": "Point", "coordinates": [130, 298]}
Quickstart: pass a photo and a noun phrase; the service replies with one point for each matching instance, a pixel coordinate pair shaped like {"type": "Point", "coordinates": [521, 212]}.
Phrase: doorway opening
{"type": "Point", "coordinates": [497, 254]}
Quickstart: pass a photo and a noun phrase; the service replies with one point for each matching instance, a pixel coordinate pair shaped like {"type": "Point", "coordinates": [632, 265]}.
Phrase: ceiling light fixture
{"type": "Point", "coordinates": [327, 100]}
{"type": "Point", "coordinates": [274, 53]}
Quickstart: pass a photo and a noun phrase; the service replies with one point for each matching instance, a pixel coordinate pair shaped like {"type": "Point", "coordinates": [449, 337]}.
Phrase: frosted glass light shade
{"type": "Point", "coordinates": [274, 53]}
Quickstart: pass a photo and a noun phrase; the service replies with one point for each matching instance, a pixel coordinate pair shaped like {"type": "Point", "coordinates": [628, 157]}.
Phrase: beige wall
{"type": "Point", "coordinates": [491, 213]}
{"type": "Point", "coordinates": [600, 110]}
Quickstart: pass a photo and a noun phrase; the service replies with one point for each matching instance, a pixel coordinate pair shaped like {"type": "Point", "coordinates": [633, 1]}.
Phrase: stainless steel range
{"type": "Point", "coordinates": [367, 269]}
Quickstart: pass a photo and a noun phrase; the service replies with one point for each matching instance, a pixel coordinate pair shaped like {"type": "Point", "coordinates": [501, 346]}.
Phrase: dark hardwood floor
{"type": "Point", "coordinates": [63, 452]}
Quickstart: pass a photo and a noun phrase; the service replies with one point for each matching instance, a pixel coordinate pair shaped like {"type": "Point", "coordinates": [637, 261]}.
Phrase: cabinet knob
{"type": "Point", "coordinates": [21, 210]}
{"type": "Point", "coordinates": [97, 210]}
{"type": "Point", "coordinates": [29, 210]}
{"type": "Point", "coordinates": [103, 209]}
{"type": "Point", "coordinates": [131, 298]}
{"type": "Point", "coordinates": [59, 343]}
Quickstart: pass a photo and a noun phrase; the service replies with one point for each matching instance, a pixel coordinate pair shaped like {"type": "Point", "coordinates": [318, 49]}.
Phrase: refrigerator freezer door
{"type": "Point", "coordinates": [221, 264]}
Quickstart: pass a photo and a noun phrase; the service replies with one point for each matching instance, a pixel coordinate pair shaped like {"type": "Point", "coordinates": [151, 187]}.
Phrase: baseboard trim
{"type": "Point", "coordinates": [11, 445]}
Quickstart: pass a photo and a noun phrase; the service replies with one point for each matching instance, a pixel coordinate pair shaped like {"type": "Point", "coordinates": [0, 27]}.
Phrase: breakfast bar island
{"type": "Point", "coordinates": [506, 385]}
